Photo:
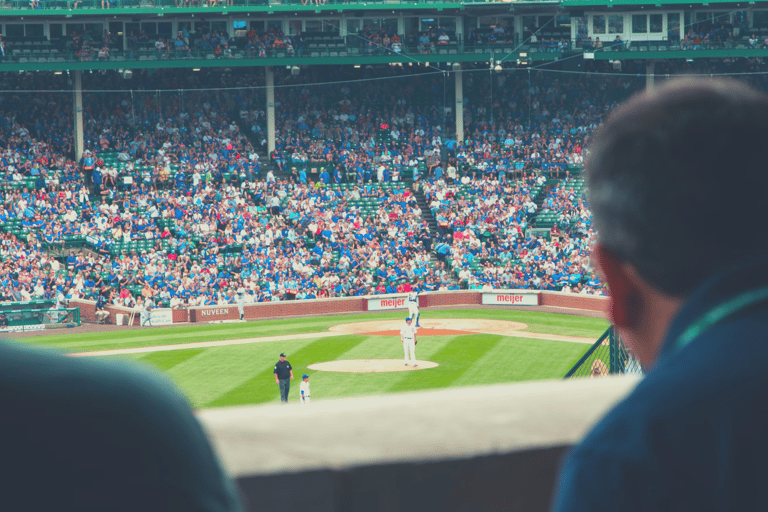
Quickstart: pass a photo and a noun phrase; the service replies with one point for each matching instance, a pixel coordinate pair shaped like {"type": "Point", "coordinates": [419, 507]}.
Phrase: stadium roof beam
{"type": "Point", "coordinates": [363, 60]}
{"type": "Point", "coordinates": [565, 4]}
{"type": "Point", "coordinates": [328, 8]}
{"type": "Point", "coordinates": [721, 53]}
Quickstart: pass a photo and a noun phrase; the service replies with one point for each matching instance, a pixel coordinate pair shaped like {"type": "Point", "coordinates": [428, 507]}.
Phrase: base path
{"type": "Point", "coordinates": [370, 366]}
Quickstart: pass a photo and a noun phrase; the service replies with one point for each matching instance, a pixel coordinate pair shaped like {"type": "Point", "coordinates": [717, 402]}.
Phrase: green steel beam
{"type": "Point", "coordinates": [362, 60]}
{"type": "Point", "coordinates": [565, 4]}
{"type": "Point", "coordinates": [682, 54]}
{"type": "Point", "coordinates": [132, 8]}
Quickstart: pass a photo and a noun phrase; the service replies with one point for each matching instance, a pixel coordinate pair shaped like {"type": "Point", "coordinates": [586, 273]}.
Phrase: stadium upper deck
{"type": "Point", "coordinates": [38, 35]}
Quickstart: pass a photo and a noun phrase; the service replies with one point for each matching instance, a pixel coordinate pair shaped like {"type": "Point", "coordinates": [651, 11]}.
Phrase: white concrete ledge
{"type": "Point", "coordinates": [426, 426]}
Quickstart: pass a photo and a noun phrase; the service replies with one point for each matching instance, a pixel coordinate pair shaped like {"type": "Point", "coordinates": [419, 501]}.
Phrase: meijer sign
{"type": "Point", "coordinates": [387, 303]}
{"type": "Point", "coordinates": [511, 299]}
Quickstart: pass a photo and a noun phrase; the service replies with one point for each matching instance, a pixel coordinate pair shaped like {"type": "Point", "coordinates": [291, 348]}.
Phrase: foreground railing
{"type": "Point", "coordinates": [22, 320]}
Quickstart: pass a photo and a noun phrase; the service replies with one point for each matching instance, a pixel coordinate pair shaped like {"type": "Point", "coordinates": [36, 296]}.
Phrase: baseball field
{"type": "Point", "coordinates": [350, 355]}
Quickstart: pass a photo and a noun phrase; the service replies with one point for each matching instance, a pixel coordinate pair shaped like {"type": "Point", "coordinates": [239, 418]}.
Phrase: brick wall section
{"type": "Point", "coordinates": [457, 298]}
{"type": "Point", "coordinates": [88, 312]}
{"type": "Point", "coordinates": [317, 307]}
{"type": "Point", "coordinates": [570, 300]}
{"type": "Point", "coordinates": [321, 307]}
{"type": "Point", "coordinates": [180, 316]}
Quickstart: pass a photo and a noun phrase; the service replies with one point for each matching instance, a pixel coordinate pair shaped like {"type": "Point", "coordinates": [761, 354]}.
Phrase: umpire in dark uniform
{"type": "Point", "coordinates": [283, 377]}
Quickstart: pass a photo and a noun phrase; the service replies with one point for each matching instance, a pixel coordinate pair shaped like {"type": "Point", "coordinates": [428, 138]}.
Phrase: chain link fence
{"type": "Point", "coordinates": [607, 355]}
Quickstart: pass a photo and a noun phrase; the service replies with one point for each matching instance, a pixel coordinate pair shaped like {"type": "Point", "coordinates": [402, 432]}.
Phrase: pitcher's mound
{"type": "Point", "coordinates": [370, 366]}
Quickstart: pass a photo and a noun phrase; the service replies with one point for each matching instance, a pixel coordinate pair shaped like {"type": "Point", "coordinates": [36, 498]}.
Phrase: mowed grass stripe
{"type": "Point", "coordinates": [149, 338]}
{"type": "Point", "coordinates": [206, 332]}
{"type": "Point", "coordinates": [333, 384]}
{"type": "Point", "coordinates": [522, 359]}
{"type": "Point", "coordinates": [455, 358]}
{"type": "Point", "coordinates": [164, 361]}
{"type": "Point", "coordinates": [548, 323]}
{"type": "Point", "coordinates": [261, 387]}
{"type": "Point", "coordinates": [219, 370]}
{"type": "Point", "coordinates": [390, 347]}
{"type": "Point", "coordinates": [241, 374]}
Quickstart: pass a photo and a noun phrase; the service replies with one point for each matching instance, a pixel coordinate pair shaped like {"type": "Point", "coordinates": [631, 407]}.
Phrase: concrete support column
{"type": "Point", "coordinates": [459, 107]}
{"type": "Point", "coordinates": [77, 91]}
{"type": "Point", "coordinates": [270, 109]}
{"type": "Point", "coordinates": [649, 65]}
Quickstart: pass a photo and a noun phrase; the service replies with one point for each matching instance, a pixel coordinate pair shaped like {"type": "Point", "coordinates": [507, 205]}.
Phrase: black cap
{"type": "Point", "coordinates": [282, 355]}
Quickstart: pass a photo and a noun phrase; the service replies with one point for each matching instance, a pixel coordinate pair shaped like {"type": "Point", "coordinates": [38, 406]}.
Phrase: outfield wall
{"type": "Point", "coordinates": [481, 448]}
{"type": "Point", "coordinates": [319, 307]}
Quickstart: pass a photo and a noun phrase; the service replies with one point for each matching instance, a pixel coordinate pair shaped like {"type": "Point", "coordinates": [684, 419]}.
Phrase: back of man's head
{"type": "Point", "coordinates": [677, 181]}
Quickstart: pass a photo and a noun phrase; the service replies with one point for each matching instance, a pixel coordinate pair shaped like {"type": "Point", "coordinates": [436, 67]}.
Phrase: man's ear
{"type": "Point", "coordinates": [625, 295]}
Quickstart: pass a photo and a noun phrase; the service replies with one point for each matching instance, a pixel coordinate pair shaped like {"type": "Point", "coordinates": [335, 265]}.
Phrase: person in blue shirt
{"type": "Point", "coordinates": [692, 308]}
{"type": "Point", "coordinates": [593, 281]}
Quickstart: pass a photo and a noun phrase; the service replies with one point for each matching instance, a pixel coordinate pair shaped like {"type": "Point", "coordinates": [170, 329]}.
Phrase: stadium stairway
{"type": "Point", "coordinates": [421, 200]}
{"type": "Point", "coordinates": [426, 213]}
{"type": "Point", "coordinates": [262, 151]}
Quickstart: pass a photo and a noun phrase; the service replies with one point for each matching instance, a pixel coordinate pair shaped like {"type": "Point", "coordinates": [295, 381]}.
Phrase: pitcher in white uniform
{"type": "Point", "coordinates": [408, 337]}
{"type": "Point", "coordinates": [413, 303]}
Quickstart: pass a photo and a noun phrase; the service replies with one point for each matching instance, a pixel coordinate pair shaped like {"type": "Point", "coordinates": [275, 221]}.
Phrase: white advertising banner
{"type": "Point", "coordinates": [511, 298]}
{"type": "Point", "coordinates": [23, 328]}
{"type": "Point", "coordinates": [163, 316]}
{"type": "Point", "coordinates": [388, 302]}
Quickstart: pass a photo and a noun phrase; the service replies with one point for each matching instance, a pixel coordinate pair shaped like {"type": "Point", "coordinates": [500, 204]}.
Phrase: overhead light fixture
{"type": "Point", "coordinates": [58, 72]}
{"type": "Point", "coordinates": [357, 66]}
{"type": "Point", "coordinates": [523, 55]}
{"type": "Point", "coordinates": [195, 69]}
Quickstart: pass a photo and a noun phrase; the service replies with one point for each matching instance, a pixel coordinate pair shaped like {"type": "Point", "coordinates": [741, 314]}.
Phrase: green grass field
{"type": "Point", "coordinates": [242, 374]}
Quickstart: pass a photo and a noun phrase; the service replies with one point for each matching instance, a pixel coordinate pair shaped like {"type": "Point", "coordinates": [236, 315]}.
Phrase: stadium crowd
{"type": "Point", "coordinates": [181, 207]}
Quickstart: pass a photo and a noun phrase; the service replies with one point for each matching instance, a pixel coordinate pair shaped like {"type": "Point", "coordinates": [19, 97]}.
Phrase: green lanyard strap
{"type": "Point", "coordinates": [718, 313]}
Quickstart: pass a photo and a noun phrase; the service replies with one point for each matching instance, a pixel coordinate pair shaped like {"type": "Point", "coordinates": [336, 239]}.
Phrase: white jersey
{"type": "Point", "coordinates": [241, 293]}
{"type": "Point", "coordinates": [413, 303]}
{"type": "Point", "coordinates": [304, 392]}
{"type": "Point", "coordinates": [408, 332]}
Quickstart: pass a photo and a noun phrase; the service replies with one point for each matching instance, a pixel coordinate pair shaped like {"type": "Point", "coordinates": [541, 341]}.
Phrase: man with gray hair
{"type": "Point", "coordinates": [677, 185]}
